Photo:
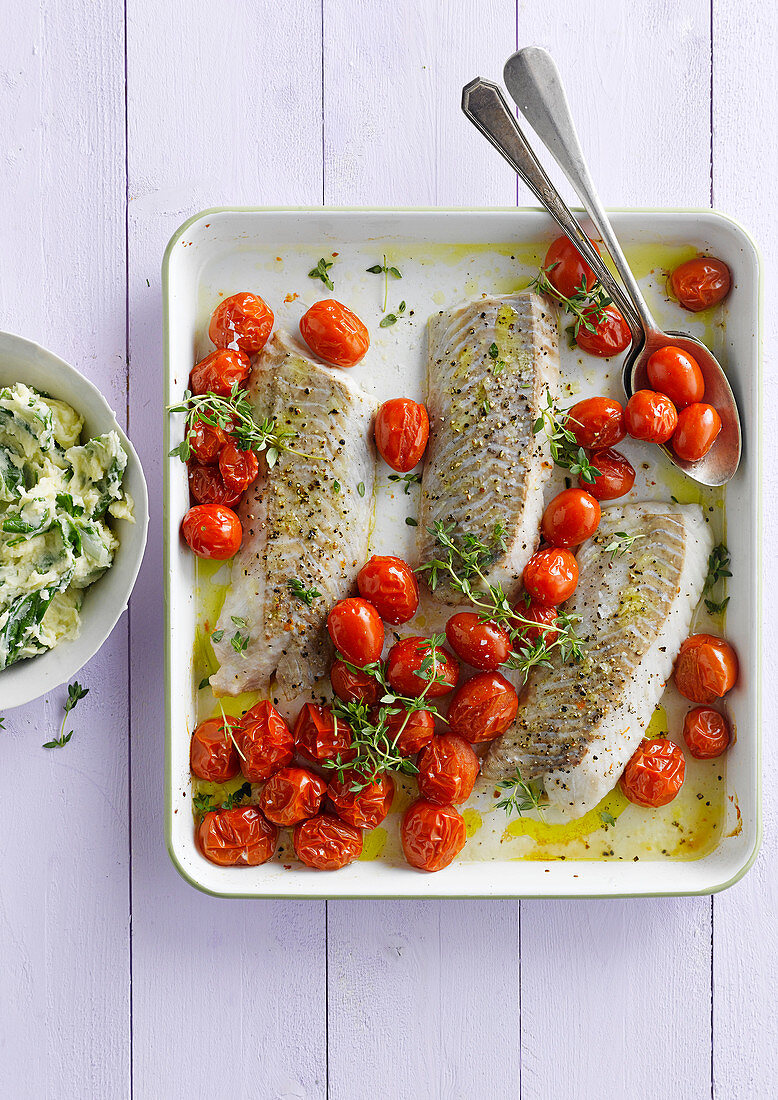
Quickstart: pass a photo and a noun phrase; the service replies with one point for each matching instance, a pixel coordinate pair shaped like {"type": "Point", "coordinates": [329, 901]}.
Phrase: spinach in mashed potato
{"type": "Point", "coordinates": [56, 495]}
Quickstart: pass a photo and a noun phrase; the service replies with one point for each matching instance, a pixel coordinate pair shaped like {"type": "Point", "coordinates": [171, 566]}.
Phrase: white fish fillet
{"type": "Point", "coordinates": [306, 519]}
{"type": "Point", "coordinates": [490, 364]}
{"type": "Point", "coordinates": [578, 724]}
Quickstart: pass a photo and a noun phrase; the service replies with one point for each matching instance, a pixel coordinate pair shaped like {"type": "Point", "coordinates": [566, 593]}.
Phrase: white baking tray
{"type": "Point", "coordinates": [219, 252]}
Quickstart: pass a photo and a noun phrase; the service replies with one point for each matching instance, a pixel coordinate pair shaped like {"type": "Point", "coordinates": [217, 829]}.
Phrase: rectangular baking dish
{"type": "Point", "coordinates": [225, 250]}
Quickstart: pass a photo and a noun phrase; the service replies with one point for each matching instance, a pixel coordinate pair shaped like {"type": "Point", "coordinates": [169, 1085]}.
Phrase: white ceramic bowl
{"type": "Point", "coordinates": [23, 361]}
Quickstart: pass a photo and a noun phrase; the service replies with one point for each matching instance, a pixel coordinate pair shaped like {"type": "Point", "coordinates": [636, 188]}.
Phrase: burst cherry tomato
{"type": "Point", "coordinates": [698, 428]}
{"type": "Point", "coordinates": [701, 283]}
{"type": "Point", "coordinates": [550, 575]}
{"type": "Point", "coordinates": [391, 587]}
{"type": "Point", "coordinates": [241, 321]}
{"type": "Point", "coordinates": [483, 707]}
{"type": "Point", "coordinates": [212, 531]}
{"type": "Point", "coordinates": [482, 644]}
{"type": "Point", "coordinates": [542, 614]}
{"type": "Point", "coordinates": [404, 668]}
{"type": "Point", "coordinates": [448, 769]}
{"type": "Point", "coordinates": [654, 774]}
{"type": "Point", "coordinates": [615, 478]}
{"type": "Point", "coordinates": [319, 736]}
{"type": "Point", "coordinates": [611, 335]}
{"type": "Point", "coordinates": [566, 268]}
{"type": "Point", "coordinates": [676, 374]}
{"type": "Point", "coordinates": [334, 333]}
{"type": "Point", "coordinates": [353, 687]}
{"type": "Point", "coordinates": [206, 486]}
{"type": "Point", "coordinates": [650, 416]}
{"type": "Point", "coordinates": [706, 668]}
{"type": "Point", "coordinates": [238, 468]}
{"type": "Point", "coordinates": [219, 372]}
{"type": "Point", "coordinates": [292, 795]}
{"type": "Point", "coordinates": [265, 741]}
{"type": "Point", "coordinates": [206, 441]}
{"type": "Point", "coordinates": [401, 431]}
{"type": "Point", "coordinates": [409, 731]}
{"type": "Point", "coordinates": [596, 423]}
{"type": "Point", "coordinates": [432, 836]}
{"type": "Point", "coordinates": [571, 517]}
{"type": "Point", "coordinates": [326, 843]}
{"type": "Point", "coordinates": [365, 808]}
{"type": "Point", "coordinates": [356, 630]}
{"type": "Point", "coordinates": [212, 752]}
{"type": "Point", "coordinates": [706, 733]}
{"type": "Point", "coordinates": [240, 835]}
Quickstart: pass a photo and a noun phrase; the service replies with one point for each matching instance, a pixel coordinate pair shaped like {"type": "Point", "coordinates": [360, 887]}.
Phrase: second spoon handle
{"type": "Point", "coordinates": [485, 106]}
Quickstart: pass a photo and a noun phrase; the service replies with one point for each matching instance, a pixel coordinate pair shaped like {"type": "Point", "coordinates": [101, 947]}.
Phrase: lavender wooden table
{"type": "Point", "coordinates": [117, 121]}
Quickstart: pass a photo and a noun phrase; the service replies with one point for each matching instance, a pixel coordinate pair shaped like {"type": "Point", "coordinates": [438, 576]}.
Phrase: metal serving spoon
{"type": "Point", "coordinates": [485, 106]}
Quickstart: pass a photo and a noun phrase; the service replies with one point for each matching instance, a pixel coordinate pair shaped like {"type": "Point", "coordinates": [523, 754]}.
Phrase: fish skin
{"type": "Point", "coordinates": [488, 467]}
{"type": "Point", "coordinates": [297, 525]}
{"type": "Point", "coordinates": [578, 724]}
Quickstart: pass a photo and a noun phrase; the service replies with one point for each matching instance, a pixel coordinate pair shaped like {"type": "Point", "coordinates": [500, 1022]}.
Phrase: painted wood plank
{"type": "Point", "coordinates": [745, 940]}
{"type": "Point", "coordinates": [224, 107]}
{"type": "Point", "coordinates": [607, 973]}
{"type": "Point", "coordinates": [64, 908]}
{"type": "Point", "coordinates": [412, 985]}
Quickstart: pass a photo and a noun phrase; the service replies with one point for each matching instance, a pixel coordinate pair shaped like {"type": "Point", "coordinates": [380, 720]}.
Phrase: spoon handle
{"type": "Point", "coordinates": [533, 80]}
{"type": "Point", "coordinates": [485, 106]}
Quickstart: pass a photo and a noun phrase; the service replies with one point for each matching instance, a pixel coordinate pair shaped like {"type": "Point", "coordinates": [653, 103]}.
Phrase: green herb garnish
{"type": "Point", "coordinates": [303, 594]}
{"type": "Point", "coordinates": [522, 797]}
{"type": "Point", "coordinates": [407, 480]}
{"type": "Point", "coordinates": [321, 271]}
{"type": "Point", "coordinates": [75, 692]}
{"type": "Point", "coordinates": [563, 445]}
{"type": "Point", "coordinates": [386, 271]}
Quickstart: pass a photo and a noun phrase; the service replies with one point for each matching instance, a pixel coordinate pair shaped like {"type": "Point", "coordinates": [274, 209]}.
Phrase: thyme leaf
{"type": "Point", "coordinates": [303, 594]}
{"type": "Point", "coordinates": [521, 796]}
{"type": "Point", "coordinates": [407, 480]}
{"type": "Point", "coordinates": [321, 271]}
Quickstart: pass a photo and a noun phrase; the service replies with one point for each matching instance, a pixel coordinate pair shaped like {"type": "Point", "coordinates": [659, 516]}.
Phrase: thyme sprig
{"type": "Point", "coordinates": [718, 571]}
{"type": "Point", "coordinates": [587, 305]}
{"type": "Point", "coordinates": [522, 797]}
{"type": "Point", "coordinates": [321, 271]}
{"type": "Point", "coordinates": [386, 270]}
{"type": "Point", "coordinates": [203, 804]}
{"type": "Point", "coordinates": [407, 480]}
{"type": "Point", "coordinates": [564, 447]}
{"type": "Point", "coordinates": [620, 544]}
{"type": "Point", "coordinates": [303, 594]}
{"type": "Point", "coordinates": [75, 693]}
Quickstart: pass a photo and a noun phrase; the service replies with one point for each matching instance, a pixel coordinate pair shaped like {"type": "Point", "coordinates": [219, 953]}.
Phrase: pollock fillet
{"type": "Point", "coordinates": [307, 519]}
{"type": "Point", "coordinates": [490, 365]}
{"type": "Point", "coordinates": [578, 724]}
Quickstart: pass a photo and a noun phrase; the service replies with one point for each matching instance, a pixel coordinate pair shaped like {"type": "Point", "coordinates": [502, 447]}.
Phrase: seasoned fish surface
{"type": "Point", "coordinates": [307, 519]}
{"type": "Point", "coordinates": [490, 364]}
{"type": "Point", "coordinates": [578, 724]}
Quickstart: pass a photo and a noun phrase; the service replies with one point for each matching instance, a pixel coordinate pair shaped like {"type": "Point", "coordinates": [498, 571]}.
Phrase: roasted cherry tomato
{"type": "Point", "coordinates": [401, 431]}
{"type": "Point", "coordinates": [701, 283]}
{"type": "Point", "coordinates": [364, 808]}
{"type": "Point", "coordinates": [615, 476]}
{"type": "Point", "coordinates": [212, 531]}
{"type": "Point", "coordinates": [206, 441]}
{"type": "Point", "coordinates": [265, 741]}
{"type": "Point", "coordinates": [326, 843]}
{"type": "Point", "coordinates": [698, 428]}
{"type": "Point", "coordinates": [212, 752]}
{"type": "Point", "coordinates": [241, 321]}
{"type": "Point", "coordinates": [448, 769]}
{"type": "Point", "coordinates": [334, 333]}
{"type": "Point", "coordinates": [432, 836]}
{"type": "Point", "coordinates": [292, 795]}
{"type": "Point", "coordinates": [320, 736]}
{"type": "Point", "coordinates": [596, 423]}
{"type": "Point", "coordinates": [545, 615]}
{"type": "Point", "coordinates": [650, 416]}
{"type": "Point", "coordinates": [706, 668]}
{"type": "Point", "coordinates": [219, 372]}
{"type": "Point", "coordinates": [706, 733]}
{"type": "Point", "coordinates": [570, 518]}
{"type": "Point", "coordinates": [482, 644]}
{"type": "Point", "coordinates": [391, 586]}
{"type": "Point", "coordinates": [409, 731]}
{"type": "Point", "coordinates": [353, 687]}
{"type": "Point", "coordinates": [206, 486]}
{"type": "Point", "coordinates": [356, 630]}
{"type": "Point", "coordinates": [611, 335]}
{"type": "Point", "coordinates": [566, 269]}
{"type": "Point", "coordinates": [676, 374]}
{"type": "Point", "coordinates": [238, 468]}
{"type": "Point", "coordinates": [550, 575]}
{"type": "Point", "coordinates": [240, 835]}
{"type": "Point", "coordinates": [405, 674]}
{"type": "Point", "coordinates": [654, 773]}
{"type": "Point", "coordinates": [483, 707]}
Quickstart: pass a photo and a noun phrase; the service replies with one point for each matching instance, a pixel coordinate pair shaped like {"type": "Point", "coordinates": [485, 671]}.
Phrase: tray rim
{"type": "Point", "coordinates": [716, 215]}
